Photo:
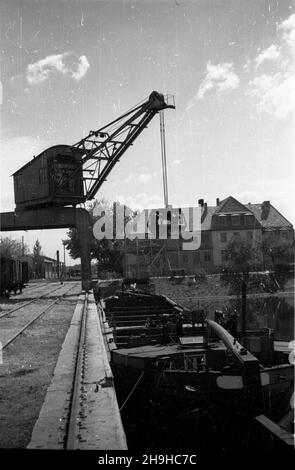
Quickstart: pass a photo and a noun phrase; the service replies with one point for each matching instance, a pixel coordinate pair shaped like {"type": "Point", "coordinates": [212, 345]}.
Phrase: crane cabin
{"type": "Point", "coordinates": [53, 178]}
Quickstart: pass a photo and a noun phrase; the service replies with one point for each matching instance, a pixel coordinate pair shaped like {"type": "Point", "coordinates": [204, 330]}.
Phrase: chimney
{"type": "Point", "coordinates": [204, 212]}
{"type": "Point", "coordinates": [265, 207]}
{"type": "Point", "coordinates": [201, 202]}
{"type": "Point", "coordinates": [217, 201]}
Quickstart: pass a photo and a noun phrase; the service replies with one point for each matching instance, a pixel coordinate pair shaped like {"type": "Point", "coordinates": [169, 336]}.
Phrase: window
{"type": "Point", "coordinates": [185, 258]}
{"type": "Point", "coordinates": [224, 256]}
{"type": "Point", "coordinates": [235, 220]}
{"type": "Point", "coordinates": [18, 181]}
{"type": "Point", "coordinates": [223, 237]}
{"type": "Point", "coordinates": [248, 219]}
{"type": "Point", "coordinates": [207, 256]}
{"type": "Point", "coordinates": [236, 235]}
{"type": "Point", "coordinates": [249, 236]}
{"type": "Point", "coordinates": [42, 175]}
{"type": "Point", "coordinates": [222, 219]}
{"type": "Point", "coordinates": [196, 258]}
{"type": "Point", "coordinates": [285, 235]}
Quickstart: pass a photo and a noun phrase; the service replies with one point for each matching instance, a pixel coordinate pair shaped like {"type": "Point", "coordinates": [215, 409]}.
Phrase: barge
{"type": "Point", "coordinates": [170, 363]}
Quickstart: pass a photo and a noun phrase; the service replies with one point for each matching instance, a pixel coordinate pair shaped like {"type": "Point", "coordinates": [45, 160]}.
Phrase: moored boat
{"type": "Point", "coordinates": [173, 362]}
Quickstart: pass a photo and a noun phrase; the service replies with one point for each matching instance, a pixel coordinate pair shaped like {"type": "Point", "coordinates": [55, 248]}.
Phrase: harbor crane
{"type": "Point", "coordinates": [103, 148]}
{"type": "Point", "coordinates": [71, 174]}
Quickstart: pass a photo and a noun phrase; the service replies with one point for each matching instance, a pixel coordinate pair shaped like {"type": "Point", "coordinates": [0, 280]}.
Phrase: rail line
{"type": "Point", "coordinates": [34, 285]}
{"type": "Point", "coordinates": [29, 323]}
{"type": "Point", "coordinates": [12, 310]}
{"type": "Point", "coordinates": [72, 431]}
{"type": "Point", "coordinates": [80, 410]}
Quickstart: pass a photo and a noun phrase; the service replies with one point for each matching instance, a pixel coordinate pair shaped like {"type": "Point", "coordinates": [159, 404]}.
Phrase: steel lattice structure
{"type": "Point", "coordinates": [102, 149]}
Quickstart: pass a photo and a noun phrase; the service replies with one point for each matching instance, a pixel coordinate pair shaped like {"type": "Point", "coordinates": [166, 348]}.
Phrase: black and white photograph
{"type": "Point", "coordinates": [147, 231]}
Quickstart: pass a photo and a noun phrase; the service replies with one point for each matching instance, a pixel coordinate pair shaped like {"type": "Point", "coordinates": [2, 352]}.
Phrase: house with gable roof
{"type": "Point", "coordinates": [253, 223]}
{"type": "Point", "coordinates": [220, 224]}
{"type": "Point", "coordinates": [233, 220]}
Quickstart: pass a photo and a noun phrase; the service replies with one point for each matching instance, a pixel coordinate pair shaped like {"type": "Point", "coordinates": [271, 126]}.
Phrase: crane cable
{"type": "Point", "coordinates": [164, 162]}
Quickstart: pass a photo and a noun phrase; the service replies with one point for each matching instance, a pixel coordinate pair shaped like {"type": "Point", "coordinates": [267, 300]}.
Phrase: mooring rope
{"type": "Point", "coordinates": [132, 391]}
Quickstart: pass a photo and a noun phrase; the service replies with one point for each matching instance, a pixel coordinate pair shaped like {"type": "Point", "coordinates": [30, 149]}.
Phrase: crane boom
{"type": "Point", "coordinates": [102, 149]}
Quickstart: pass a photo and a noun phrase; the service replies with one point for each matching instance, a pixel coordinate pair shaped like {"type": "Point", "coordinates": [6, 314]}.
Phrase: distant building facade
{"type": "Point", "coordinates": [227, 221]}
{"type": "Point", "coordinates": [47, 269]}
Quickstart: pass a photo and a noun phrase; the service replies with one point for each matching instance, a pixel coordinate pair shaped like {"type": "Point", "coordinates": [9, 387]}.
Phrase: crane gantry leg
{"type": "Point", "coordinates": [55, 217]}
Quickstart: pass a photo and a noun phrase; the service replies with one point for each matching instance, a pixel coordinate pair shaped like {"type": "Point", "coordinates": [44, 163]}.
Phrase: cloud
{"type": "Point", "coordinates": [275, 91]}
{"type": "Point", "coordinates": [66, 64]}
{"type": "Point", "coordinates": [275, 94]}
{"type": "Point", "coordinates": [144, 178]}
{"type": "Point", "coordinates": [220, 76]}
{"type": "Point", "coordinates": [141, 201]}
{"type": "Point", "coordinates": [129, 178]}
{"type": "Point", "coordinates": [271, 53]}
{"type": "Point", "coordinates": [83, 66]}
{"type": "Point", "coordinates": [176, 162]}
{"type": "Point", "coordinates": [288, 31]}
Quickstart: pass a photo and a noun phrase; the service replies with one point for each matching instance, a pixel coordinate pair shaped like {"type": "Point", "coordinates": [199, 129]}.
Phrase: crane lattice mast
{"type": "Point", "coordinates": [102, 149]}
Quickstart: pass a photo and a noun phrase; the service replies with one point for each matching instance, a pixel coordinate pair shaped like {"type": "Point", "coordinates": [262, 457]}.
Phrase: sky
{"type": "Point", "coordinates": [70, 66]}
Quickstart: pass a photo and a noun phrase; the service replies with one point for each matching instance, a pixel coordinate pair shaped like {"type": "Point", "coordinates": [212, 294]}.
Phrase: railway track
{"type": "Point", "coordinates": [35, 285]}
{"type": "Point", "coordinates": [12, 310]}
{"type": "Point", "coordinates": [32, 320]}
{"type": "Point", "coordinates": [80, 410]}
{"type": "Point", "coordinates": [72, 429]}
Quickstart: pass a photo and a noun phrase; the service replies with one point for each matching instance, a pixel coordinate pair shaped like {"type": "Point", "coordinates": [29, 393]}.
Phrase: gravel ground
{"type": "Point", "coordinates": [27, 370]}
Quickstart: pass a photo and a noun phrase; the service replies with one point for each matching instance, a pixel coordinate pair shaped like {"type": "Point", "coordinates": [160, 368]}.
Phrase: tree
{"type": "Point", "coordinates": [239, 254]}
{"type": "Point", "coordinates": [276, 251]}
{"type": "Point", "coordinates": [11, 248]}
{"type": "Point", "coordinates": [107, 252]}
{"type": "Point", "coordinates": [37, 259]}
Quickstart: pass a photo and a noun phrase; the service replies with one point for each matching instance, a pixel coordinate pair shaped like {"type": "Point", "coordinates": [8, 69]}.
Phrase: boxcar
{"type": "Point", "coordinates": [53, 178]}
{"type": "Point", "coordinates": [25, 272]}
{"type": "Point", "coordinates": [6, 280]}
{"type": "Point", "coordinates": [14, 275]}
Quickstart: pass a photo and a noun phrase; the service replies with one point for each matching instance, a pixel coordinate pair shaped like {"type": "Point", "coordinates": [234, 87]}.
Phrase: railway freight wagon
{"type": "Point", "coordinates": [14, 275]}
{"type": "Point", "coordinates": [53, 178]}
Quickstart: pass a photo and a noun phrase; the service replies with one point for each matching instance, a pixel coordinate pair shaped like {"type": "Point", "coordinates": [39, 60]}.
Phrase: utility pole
{"type": "Point", "coordinates": [23, 246]}
{"type": "Point", "coordinates": [64, 258]}
{"type": "Point", "coordinates": [57, 262]}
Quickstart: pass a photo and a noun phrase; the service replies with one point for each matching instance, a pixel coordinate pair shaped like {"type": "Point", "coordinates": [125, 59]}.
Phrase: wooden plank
{"type": "Point", "coordinates": [276, 430]}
